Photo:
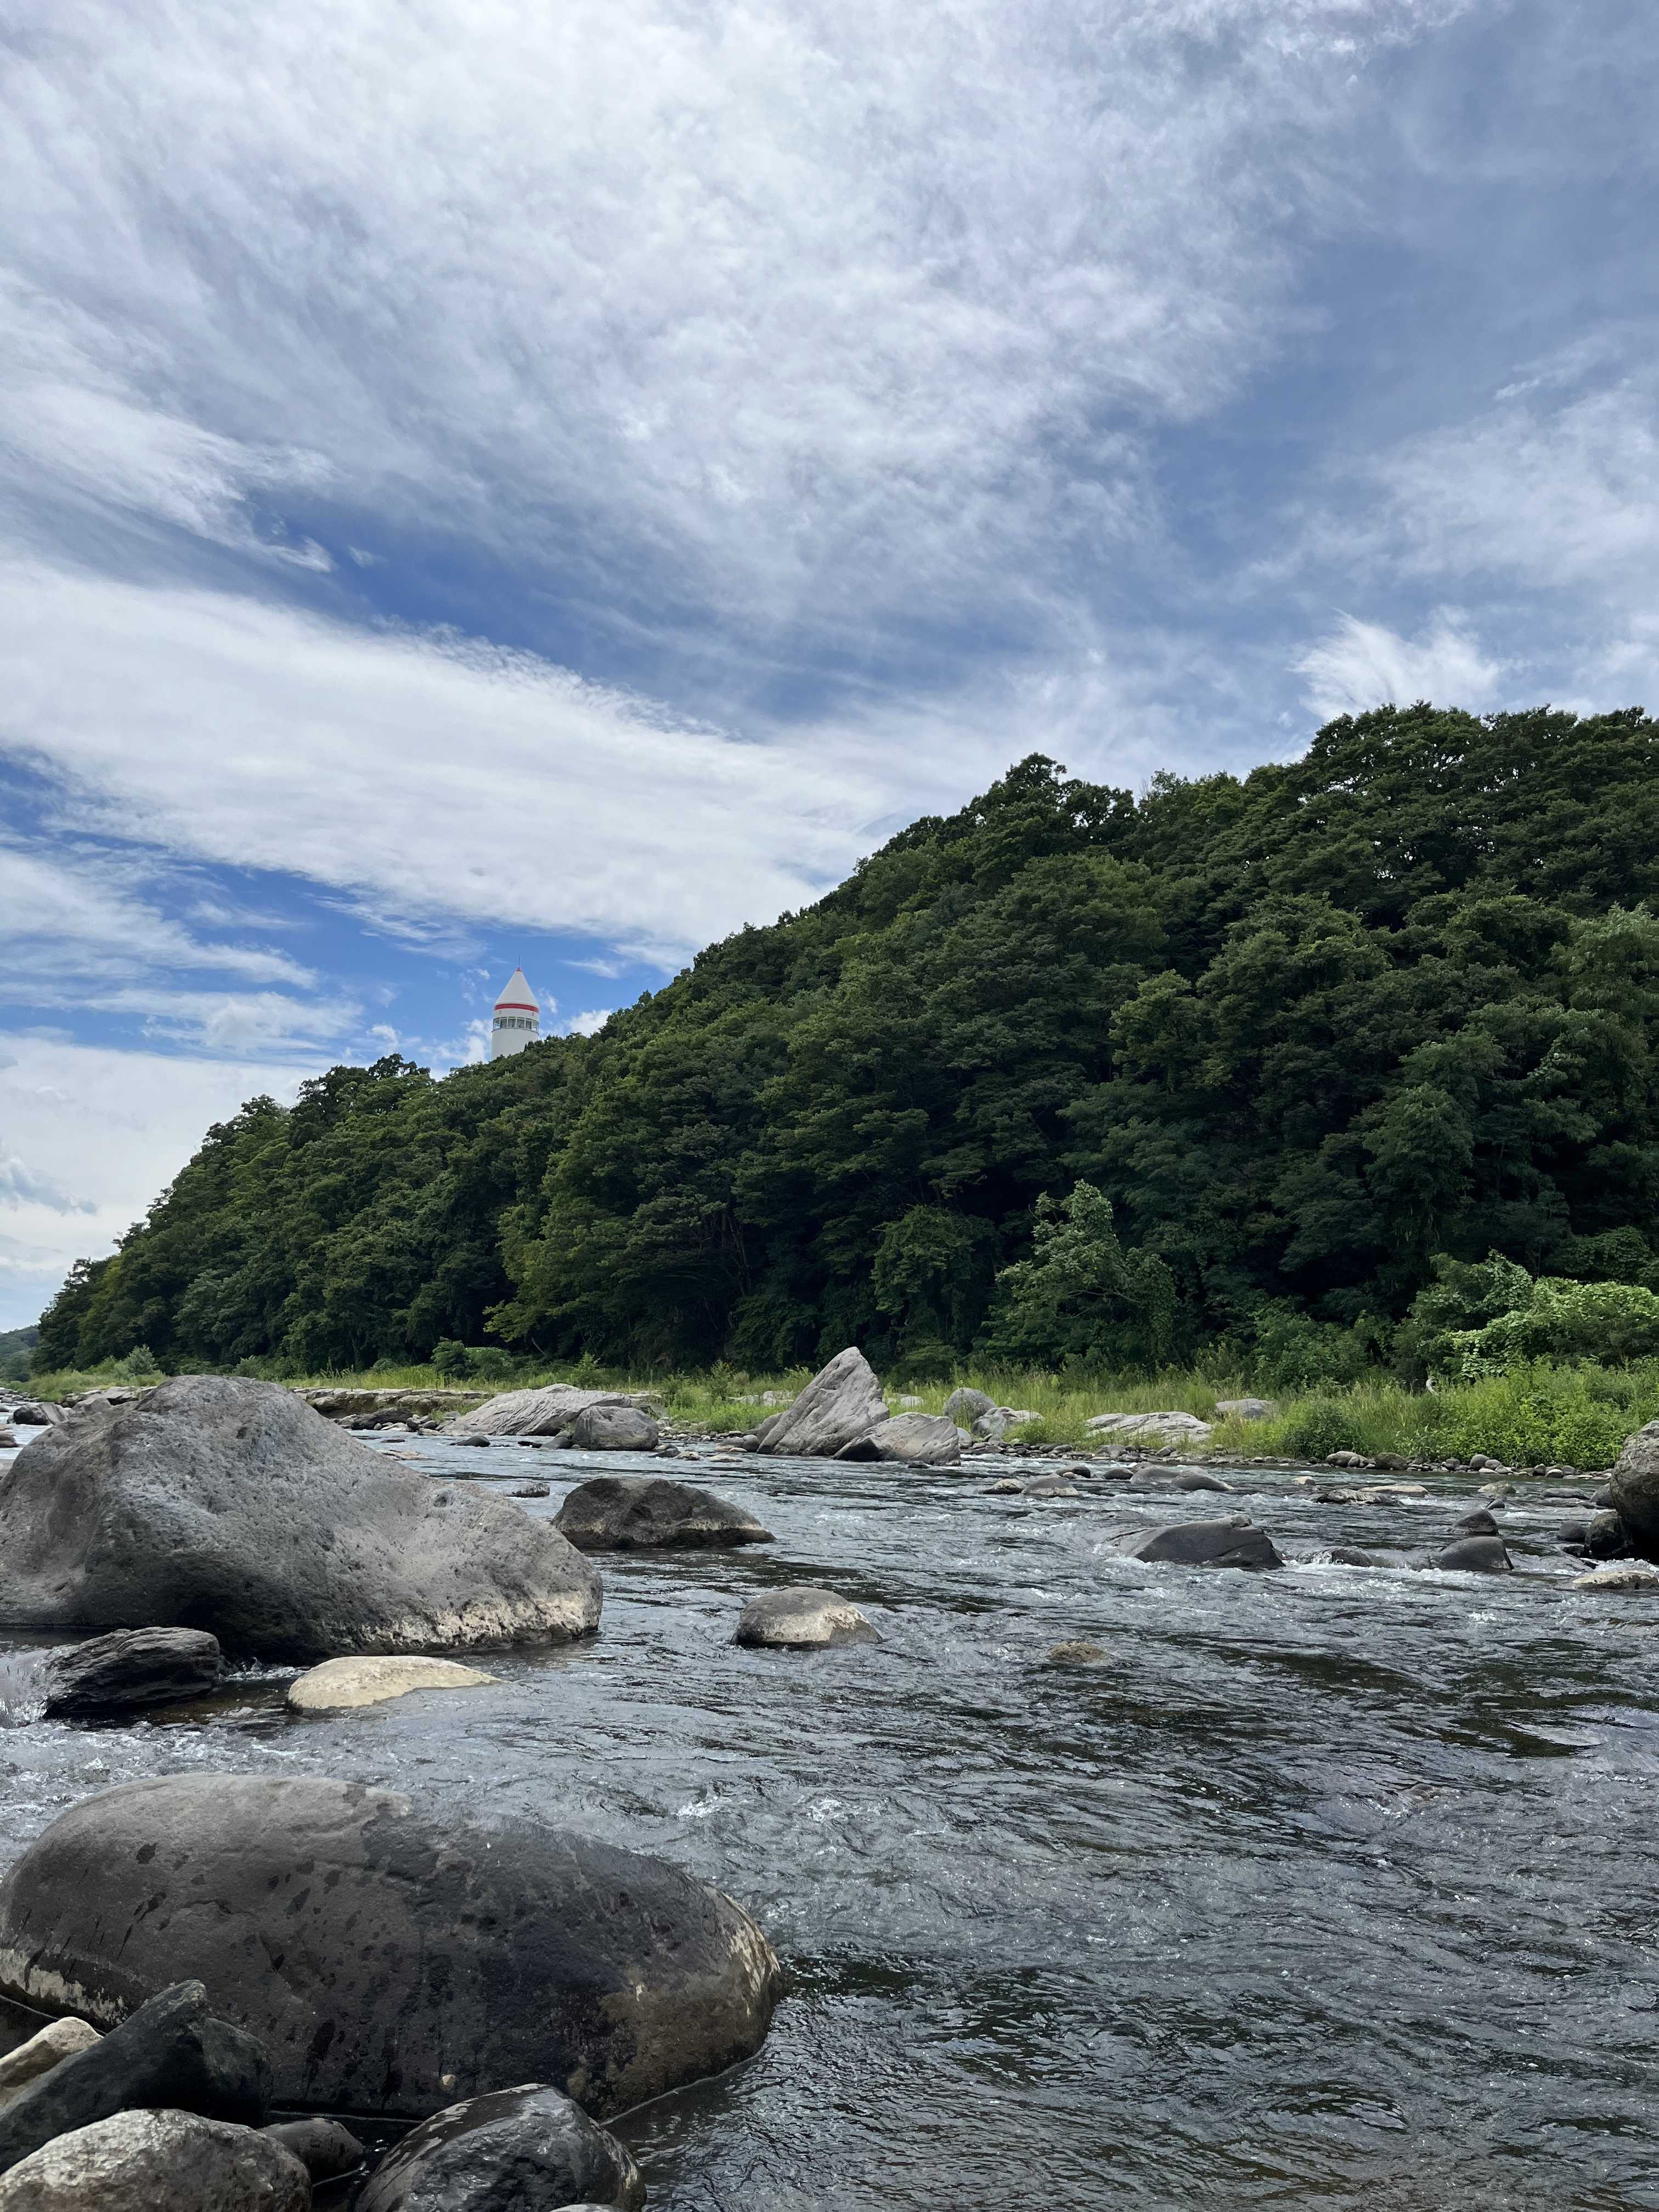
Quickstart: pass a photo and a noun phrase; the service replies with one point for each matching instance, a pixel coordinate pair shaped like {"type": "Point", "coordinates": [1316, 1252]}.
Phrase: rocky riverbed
{"type": "Point", "coordinates": [1326, 1886]}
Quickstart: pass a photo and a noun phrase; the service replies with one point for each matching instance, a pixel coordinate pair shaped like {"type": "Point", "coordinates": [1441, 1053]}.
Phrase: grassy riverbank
{"type": "Point", "coordinates": [1567, 1416]}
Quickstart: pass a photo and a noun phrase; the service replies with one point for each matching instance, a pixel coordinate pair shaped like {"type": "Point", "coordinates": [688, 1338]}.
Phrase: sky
{"type": "Point", "coordinates": [486, 483]}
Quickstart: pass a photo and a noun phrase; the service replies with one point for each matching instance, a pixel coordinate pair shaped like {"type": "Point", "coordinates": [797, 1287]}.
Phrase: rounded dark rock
{"type": "Point", "coordinates": [387, 1962]}
{"type": "Point", "coordinates": [1233, 1543]}
{"type": "Point", "coordinates": [323, 2147]}
{"type": "Point", "coordinates": [651, 1512]}
{"type": "Point", "coordinates": [1480, 1523]}
{"type": "Point", "coordinates": [217, 1503]}
{"type": "Point", "coordinates": [1473, 1555]}
{"type": "Point", "coordinates": [531, 2150]}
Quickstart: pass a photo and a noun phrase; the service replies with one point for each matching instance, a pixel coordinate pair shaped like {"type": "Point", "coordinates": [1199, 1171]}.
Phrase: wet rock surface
{"type": "Point", "coordinates": [416, 1958]}
{"type": "Point", "coordinates": [171, 2051]}
{"type": "Point", "coordinates": [632, 1513]}
{"type": "Point", "coordinates": [128, 1668]}
{"type": "Point", "coordinates": [1236, 1542]}
{"type": "Point", "coordinates": [527, 2148]}
{"type": "Point", "coordinates": [344, 1685]}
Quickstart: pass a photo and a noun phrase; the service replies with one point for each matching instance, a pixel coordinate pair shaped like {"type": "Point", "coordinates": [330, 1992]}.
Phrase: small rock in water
{"type": "Point", "coordinates": [1080, 1653]}
{"type": "Point", "coordinates": [1177, 1478]}
{"type": "Point", "coordinates": [1050, 1486]}
{"type": "Point", "coordinates": [530, 2149]}
{"type": "Point", "coordinates": [531, 1490]}
{"type": "Point", "coordinates": [1006, 1488]}
{"type": "Point", "coordinates": [800, 1618]}
{"type": "Point", "coordinates": [39, 1413]}
{"type": "Point", "coordinates": [8, 1441]}
{"type": "Point", "coordinates": [60, 2040]}
{"type": "Point", "coordinates": [474, 1443]}
{"type": "Point", "coordinates": [158, 2161]}
{"type": "Point", "coordinates": [1606, 1536]}
{"type": "Point", "coordinates": [648, 1512]}
{"type": "Point", "coordinates": [1349, 1555]}
{"type": "Point", "coordinates": [340, 1686]}
{"type": "Point", "coordinates": [171, 2052]}
{"type": "Point", "coordinates": [1478, 1524]}
{"type": "Point", "coordinates": [1474, 1555]}
{"type": "Point", "coordinates": [1233, 1543]}
{"type": "Point", "coordinates": [1631, 1577]}
{"type": "Point", "coordinates": [323, 2147]}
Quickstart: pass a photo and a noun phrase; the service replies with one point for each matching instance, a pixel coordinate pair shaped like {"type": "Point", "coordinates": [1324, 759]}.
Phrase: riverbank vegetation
{"type": "Point", "coordinates": [1230, 1079]}
{"type": "Point", "coordinates": [1532, 1415]}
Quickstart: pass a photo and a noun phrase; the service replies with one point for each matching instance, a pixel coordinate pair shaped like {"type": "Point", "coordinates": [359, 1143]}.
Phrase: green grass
{"type": "Point", "coordinates": [1576, 1416]}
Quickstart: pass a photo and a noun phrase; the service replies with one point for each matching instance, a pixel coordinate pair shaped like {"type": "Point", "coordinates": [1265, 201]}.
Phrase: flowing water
{"type": "Point", "coordinates": [1331, 1886]}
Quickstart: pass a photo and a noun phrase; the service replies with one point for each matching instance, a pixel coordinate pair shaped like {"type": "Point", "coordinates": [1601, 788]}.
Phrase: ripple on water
{"type": "Point", "coordinates": [1326, 1887]}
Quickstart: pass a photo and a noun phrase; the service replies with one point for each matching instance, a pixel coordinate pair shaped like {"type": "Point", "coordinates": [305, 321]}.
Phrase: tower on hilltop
{"type": "Point", "coordinates": [517, 1018]}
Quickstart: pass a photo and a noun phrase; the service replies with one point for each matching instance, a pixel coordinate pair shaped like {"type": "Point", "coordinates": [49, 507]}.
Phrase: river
{"type": "Point", "coordinates": [1332, 1887]}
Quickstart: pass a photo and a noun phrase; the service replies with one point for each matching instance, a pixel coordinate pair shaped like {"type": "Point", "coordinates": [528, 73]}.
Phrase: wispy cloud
{"type": "Point", "coordinates": [1362, 665]}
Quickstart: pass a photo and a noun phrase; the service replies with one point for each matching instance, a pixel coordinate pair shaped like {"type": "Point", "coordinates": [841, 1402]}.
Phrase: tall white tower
{"type": "Point", "coordinates": [518, 1019]}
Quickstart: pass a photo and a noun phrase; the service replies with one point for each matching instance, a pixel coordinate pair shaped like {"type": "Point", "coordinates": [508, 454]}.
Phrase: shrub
{"type": "Point", "coordinates": [1324, 1425]}
{"type": "Point", "coordinates": [451, 1360]}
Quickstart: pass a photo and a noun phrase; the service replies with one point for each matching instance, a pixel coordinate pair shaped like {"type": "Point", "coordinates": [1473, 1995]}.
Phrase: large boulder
{"type": "Point", "coordinates": [842, 1403]}
{"type": "Point", "coordinates": [613, 1428]}
{"type": "Point", "coordinates": [530, 2149]}
{"type": "Point", "coordinates": [925, 1438]}
{"type": "Point", "coordinates": [547, 1412]}
{"type": "Point", "coordinates": [1234, 1543]}
{"type": "Point", "coordinates": [389, 1963]}
{"type": "Point", "coordinates": [965, 1405]}
{"type": "Point", "coordinates": [648, 1513]}
{"type": "Point", "coordinates": [230, 1506]}
{"type": "Point", "coordinates": [1172, 1428]}
{"type": "Point", "coordinates": [170, 2053]}
{"type": "Point", "coordinates": [39, 1413]}
{"type": "Point", "coordinates": [802, 1618]}
{"type": "Point", "coordinates": [1633, 1490]}
{"type": "Point", "coordinates": [159, 2161]}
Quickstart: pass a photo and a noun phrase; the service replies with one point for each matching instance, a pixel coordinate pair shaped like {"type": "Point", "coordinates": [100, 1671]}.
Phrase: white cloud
{"type": "Point", "coordinates": [420, 777]}
{"type": "Point", "coordinates": [22, 1185]}
{"type": "Point", "coordinates": [590, 1023]}
{"type": "Point", "coordinates": [110, 1127]}
{"type": "Point", "coordinates": [81, 931]}
{"type": "Point", "coordinates": [808, 315]}
{"type": "Point", "coordinates": [1363, 664]}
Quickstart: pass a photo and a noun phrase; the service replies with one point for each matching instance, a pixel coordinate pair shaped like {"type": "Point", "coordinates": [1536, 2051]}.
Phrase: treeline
{"type": "Point", "coordinates": [1266, 1046]}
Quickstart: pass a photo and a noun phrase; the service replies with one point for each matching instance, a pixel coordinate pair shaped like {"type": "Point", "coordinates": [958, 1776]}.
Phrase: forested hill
{"type": "Point", "coordinates": [1304, 1031]}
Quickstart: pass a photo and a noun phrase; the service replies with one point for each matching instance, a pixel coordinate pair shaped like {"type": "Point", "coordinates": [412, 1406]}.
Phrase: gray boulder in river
{"type": "Point", "coordinates": [388, 1962]}
{"type": "Point", "coordinates": [1234, 1543]}
{"type": "Point", "coordinates": [231, 1506]}
{"type": "Point", "coordinates": [529, 2149]}
{"type": "Point", "coordinates": [1473, 1555]}
{"type": "Point", "coordinates": [612, 1428]}
{"type": "Point", "coordinates": [842, 1403]}
{"type": "Point", "coordinates": [927, 1439]}
{"type": "Point", "coordinates": [1633, 1490]}
{"type": "Point", "coordinates": [159, 2161]}
{"type": "Point", "coordinates": [39, 1412]}
{"type": "Point", "coordinates": [127, 1668]}
{"type": "Point", "coordinates": [643, 1513]}
{"type": "Point", "coordinates": [800, 1618]}
{"type": "Point", "coordinates": [547, 1412]}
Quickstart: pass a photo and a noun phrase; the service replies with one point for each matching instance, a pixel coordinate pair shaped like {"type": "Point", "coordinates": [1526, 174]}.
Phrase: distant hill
{"type": "Point", "coordinates": [1303, 1030]}
{"type": "Point", "coordinates": [16, 1346]}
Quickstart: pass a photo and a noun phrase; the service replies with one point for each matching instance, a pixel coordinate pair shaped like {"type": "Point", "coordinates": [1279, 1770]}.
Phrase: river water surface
{"type": "Point", "coordinates": [1331, 1886]}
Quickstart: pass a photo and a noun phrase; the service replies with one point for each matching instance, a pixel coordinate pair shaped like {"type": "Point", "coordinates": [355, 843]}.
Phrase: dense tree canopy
{"type": "Point", "coordinates": [1297, 1035]}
